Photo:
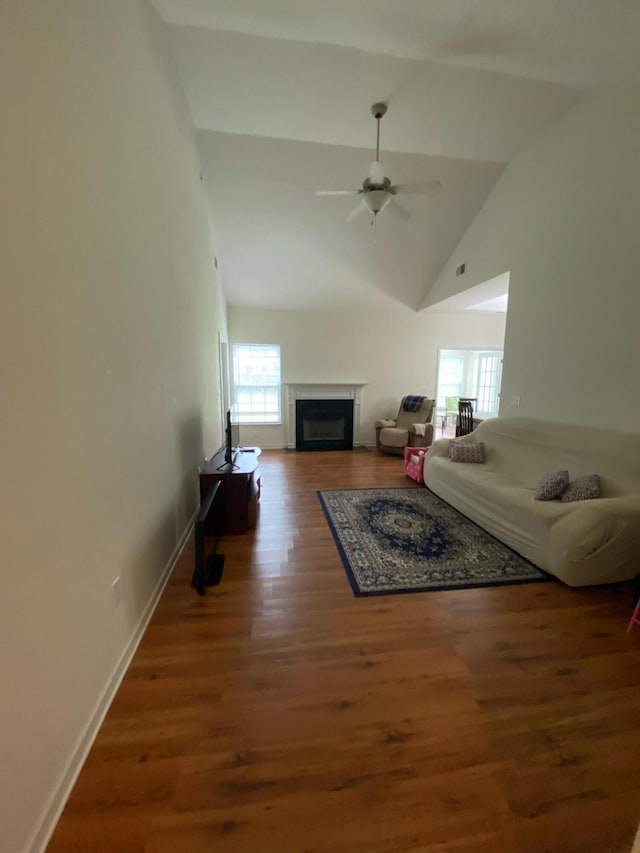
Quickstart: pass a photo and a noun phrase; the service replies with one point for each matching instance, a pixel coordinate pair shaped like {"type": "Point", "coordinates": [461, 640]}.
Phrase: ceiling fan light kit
{"type": "Point", "coordinates": [375, 200]}
{"type": "Point", "coordinates": [376, 191]}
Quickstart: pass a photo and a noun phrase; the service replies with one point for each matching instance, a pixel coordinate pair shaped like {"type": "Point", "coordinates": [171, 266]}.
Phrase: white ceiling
{"type": "Point", "coordinates": [280, 91]}
{"type": "Point", "coordinates": [491, 296]}
{"type": "Point", "coordinates": [497, 305]}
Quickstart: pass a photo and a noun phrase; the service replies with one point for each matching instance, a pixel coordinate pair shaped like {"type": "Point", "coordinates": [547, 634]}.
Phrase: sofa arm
{"type": "Point", "coordinates": [418, 429]}
{"type": "Point", "coordinates": [424, 432]}
{"type": "Point", "coordinates": [439, 448]}
{"type": "Point", "coordinates": [596, 542]}
{"type": "Point", "coordinates": [383, 423]}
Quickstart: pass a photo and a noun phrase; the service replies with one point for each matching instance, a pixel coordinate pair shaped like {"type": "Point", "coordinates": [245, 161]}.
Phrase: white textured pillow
{"type": "Point", "coordinates": [459, 452]}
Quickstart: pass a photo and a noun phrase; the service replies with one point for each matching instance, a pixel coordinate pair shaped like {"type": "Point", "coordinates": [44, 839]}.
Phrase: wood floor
{"type": "Point", "coordinates": [279, 714]}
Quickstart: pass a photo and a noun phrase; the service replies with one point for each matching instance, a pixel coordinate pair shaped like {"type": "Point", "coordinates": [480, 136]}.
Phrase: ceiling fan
{"type": "Point", "coordinates": [377, 191]}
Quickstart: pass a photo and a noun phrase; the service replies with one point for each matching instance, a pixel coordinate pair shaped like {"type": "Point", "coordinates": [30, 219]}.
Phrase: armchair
{"type": "Point", "coordinates": [412, 429]}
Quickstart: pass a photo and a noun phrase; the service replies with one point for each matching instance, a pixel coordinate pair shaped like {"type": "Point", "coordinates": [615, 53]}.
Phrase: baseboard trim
{"type": "Point", "coordinates": [60, 794]}
{"type": "Point", "coordinates": [361, 445]}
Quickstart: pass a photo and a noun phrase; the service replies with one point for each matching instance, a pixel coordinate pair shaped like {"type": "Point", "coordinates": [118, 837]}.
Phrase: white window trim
{"type": "Point", "coordinates": [244, 418]}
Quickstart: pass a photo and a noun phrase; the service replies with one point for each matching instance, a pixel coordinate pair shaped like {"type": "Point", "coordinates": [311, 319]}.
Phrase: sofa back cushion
{"type": "Point", "coordinates": [527, 450]}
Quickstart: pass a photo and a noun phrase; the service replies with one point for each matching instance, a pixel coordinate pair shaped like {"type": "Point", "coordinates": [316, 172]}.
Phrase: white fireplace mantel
{"type": "Point", "coordinates": [322, 391]}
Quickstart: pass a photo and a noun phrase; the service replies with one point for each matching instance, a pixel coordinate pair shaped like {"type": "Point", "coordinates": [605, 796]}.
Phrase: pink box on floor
{"type": "Point", "coordinates": [414, 462]}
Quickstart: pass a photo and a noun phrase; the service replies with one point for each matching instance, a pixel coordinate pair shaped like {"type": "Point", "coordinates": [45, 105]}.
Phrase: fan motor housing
{"type": "Point", "coordinates": [368, 185]}
{"type": "Point", "coordinates": [378, 110]}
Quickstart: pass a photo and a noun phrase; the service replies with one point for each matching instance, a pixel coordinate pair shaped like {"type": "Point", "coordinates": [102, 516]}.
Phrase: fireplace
{"type": "Point", "coordinates": [320, 393]}
{"type": "Point", "coordinates": [324, 424]}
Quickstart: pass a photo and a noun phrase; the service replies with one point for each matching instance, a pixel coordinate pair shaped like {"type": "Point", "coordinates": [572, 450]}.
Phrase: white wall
{"type": "Point", "coordinates": [108, 369]}
{"type": "Point", "coordinates": [394, 352]}
{"type": "Point", "coordinates": [564, 219]}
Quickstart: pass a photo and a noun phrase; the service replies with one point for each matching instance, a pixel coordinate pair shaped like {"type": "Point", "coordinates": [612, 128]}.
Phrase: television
{"type": "Point", "coordinates": [208, 569]}
{"type": "Point", "coordinates": [232, 439]}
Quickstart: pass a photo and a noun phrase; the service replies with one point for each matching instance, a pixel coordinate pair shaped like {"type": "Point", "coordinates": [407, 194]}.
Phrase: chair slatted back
{"type": "Point", "coordinates": [465, 416]}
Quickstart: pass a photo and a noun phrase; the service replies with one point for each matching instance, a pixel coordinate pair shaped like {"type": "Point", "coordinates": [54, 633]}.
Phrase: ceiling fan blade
{"type": "Point", "coordinates": [376, 172]}
{"type": "Point", "coordinates": [420, 188]}
{"type": "Point", "coordinates": [337, 192]}
{"type": "Point", "coordinates": [356, 211]}
{"type": "Point", "coordinates": [398, 210]}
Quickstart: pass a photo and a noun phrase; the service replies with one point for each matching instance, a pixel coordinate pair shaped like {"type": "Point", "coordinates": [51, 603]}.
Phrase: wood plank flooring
{"type": "Point", "coordinates": [279, 714]}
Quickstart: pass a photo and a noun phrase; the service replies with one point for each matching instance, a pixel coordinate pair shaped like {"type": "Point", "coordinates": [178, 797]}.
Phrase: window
{"type": "Point", "coordinates": [256, 381]}
{"type": "Point", "coordinates": [450, 377]}
{"type": "Point", "coordinates": [487, 385]}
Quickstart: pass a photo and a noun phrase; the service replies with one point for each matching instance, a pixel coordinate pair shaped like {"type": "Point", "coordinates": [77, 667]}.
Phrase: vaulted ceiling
{"type": "Point", "coordinates": [280, 92]}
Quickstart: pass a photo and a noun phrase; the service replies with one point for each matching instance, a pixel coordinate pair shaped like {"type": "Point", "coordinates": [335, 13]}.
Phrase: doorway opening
{"type": "Point", "coordinates": [472, 373]}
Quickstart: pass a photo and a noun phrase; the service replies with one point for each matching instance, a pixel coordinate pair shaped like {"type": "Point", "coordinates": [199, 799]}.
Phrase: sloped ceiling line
{"type": "Point", "coordinates": [280, 92]}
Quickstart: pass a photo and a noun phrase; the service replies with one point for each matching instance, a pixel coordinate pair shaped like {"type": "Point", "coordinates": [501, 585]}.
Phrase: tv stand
{"type": "Point", "coordinates": [240, 482]}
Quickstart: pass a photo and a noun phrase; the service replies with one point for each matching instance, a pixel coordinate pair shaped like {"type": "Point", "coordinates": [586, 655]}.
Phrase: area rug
{"type": "Point", "coordinates": [409, 540]}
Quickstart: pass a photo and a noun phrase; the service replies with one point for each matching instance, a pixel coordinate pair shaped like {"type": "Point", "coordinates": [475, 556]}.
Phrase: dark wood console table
{"type": "Point", "coordinates": [240, 489]}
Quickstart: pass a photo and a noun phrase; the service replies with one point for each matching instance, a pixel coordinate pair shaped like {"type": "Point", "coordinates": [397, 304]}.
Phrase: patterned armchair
{"type": "Point", "coordinates": [409, 429]}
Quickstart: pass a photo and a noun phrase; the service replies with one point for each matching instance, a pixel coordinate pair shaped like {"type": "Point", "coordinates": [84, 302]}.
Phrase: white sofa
{"type": "Point", "coordinates": [583, 543]}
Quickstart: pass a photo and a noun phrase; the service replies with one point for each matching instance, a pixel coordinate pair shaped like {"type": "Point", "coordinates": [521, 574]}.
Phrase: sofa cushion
{"type": "Point", "coordinates": [552, 486]}
{"type": "Point", "coordinates": [583, 489]}
{"type": "Point", "coordinates": [466, 452]}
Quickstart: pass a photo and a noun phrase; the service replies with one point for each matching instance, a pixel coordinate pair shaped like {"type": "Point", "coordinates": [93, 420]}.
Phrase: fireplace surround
{"type": "Point", "coordinates": [331, 397]}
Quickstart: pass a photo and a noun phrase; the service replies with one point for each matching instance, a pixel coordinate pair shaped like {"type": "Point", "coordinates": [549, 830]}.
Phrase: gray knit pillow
{"type": "Point", "coordinates": [582, 489]}
{"type": "Point", "coordinates": [459, 452]}
{"type": "Point", "coordinates": [552, 486]}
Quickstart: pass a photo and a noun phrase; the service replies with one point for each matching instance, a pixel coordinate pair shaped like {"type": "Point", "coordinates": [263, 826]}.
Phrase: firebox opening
{"type": "Point", "coordinates": [324, 424]}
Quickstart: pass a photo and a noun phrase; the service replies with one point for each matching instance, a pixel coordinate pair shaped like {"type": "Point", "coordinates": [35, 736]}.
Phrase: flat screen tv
{"type": "Point", "coordinates": [232, 438]}
{"type": "Point", "coordinates": [208, 569]}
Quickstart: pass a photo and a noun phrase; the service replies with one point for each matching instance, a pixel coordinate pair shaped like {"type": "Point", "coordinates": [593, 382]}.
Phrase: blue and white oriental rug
{"type": "Point", "coordinates": [409, 540]}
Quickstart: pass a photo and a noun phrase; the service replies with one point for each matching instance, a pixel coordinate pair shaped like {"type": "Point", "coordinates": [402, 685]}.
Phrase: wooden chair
{"type": "Point", "coordinates": [451, 410]}
{"type": "Point", "coordinates": [465, 415]}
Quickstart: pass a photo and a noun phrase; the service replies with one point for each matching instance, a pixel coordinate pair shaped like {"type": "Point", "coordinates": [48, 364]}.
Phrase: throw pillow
{"type": "Point", "coordinates": [552, 486]}
{"type": "Point", "coordinates": [582, 489]}
{"type": "Point", "coordinates": [459, 452]}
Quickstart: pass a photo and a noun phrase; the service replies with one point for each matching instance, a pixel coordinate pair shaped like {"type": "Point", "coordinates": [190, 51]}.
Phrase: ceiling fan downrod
{"type": "Point", "coordinates": [377, 111]}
